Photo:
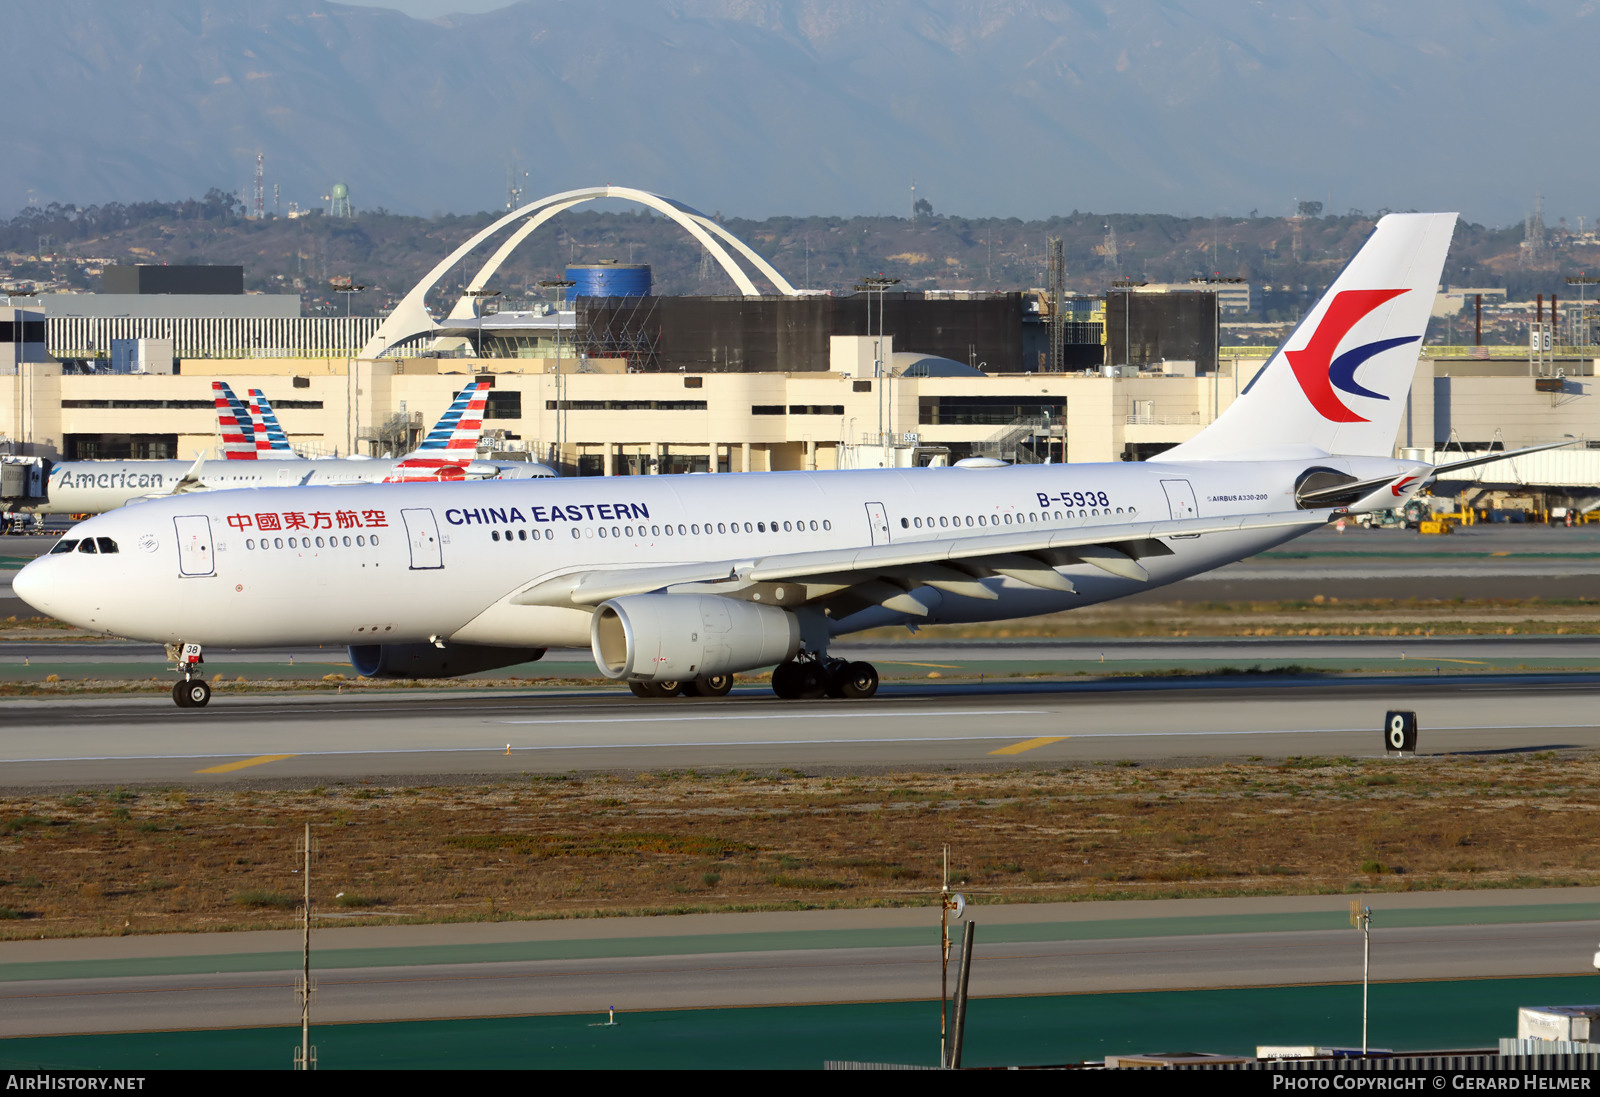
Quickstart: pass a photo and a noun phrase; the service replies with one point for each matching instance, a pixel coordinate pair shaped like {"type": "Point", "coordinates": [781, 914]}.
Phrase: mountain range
{"type": "Point", "coordinates": [991, 107]}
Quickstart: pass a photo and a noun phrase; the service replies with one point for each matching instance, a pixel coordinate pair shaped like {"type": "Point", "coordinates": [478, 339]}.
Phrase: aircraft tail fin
{"type": "Point", "coordinates": [1307, 398]}
{"type": "Point", "coordinates": [454, 438]}
{"type": "Point", "coordinates": [233, 423]}
{"type": "Point", "coordinates": [271, 441]}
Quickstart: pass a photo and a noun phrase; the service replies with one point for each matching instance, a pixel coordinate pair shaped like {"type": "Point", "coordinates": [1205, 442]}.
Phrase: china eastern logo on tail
{"type": "Point", "coordinates": [1319, 372]}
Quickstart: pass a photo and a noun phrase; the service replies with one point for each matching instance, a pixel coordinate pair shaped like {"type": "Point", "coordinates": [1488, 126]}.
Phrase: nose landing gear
{"type": "Point", "coordinates": [192, 692]}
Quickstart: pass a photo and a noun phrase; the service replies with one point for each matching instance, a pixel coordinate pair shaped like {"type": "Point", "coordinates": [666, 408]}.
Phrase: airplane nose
{"type": "Point", "coordinates": [29, 585]}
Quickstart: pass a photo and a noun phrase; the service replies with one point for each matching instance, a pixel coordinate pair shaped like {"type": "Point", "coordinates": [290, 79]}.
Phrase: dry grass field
{"type": "Point", "coordinates": [146, 860]}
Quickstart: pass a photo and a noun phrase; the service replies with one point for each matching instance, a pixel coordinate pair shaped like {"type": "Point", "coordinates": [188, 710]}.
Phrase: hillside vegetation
{"type": "Point", "coordinates": [62, 246]}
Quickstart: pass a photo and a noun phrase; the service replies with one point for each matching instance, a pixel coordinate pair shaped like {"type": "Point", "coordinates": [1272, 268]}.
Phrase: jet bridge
{"type": "Point", "coordinates": [24, 481]}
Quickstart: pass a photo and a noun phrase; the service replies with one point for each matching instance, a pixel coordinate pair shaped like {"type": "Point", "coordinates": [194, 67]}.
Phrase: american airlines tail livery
{"type": "Point", "coordinates": [272, 444]}
{"type": "Point", "coordinates": [449, 452]}
{"type": "Point", "coordinates": [678, 582]}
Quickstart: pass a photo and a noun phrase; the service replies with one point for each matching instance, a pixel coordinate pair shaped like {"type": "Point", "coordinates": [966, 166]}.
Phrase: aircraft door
{"type": "Point", "coordinates": [194, 546]}
{"type": "Point", "coordinates": [285, 476]}
{"type": "Point", "coordinates": [878, 523]}
{"type": "Point", "coordinates": [1180, 498]}
{"type": "Point", "coordinates": [422, 531]}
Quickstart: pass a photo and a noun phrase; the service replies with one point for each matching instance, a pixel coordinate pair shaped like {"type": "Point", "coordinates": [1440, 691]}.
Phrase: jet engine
{"type": "Point", "coordinates": [676, 637]}
{"type": "Point", "coordinates": [433, 661]}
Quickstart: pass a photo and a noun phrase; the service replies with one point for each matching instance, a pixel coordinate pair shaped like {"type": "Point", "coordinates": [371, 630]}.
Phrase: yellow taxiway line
{"type": "Point", "coordinates": [1029, 744]}
{"type": "Point", "coordinates": [248, 762]}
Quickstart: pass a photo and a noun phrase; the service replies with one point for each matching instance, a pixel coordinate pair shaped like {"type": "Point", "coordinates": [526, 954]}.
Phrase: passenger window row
{"type": "Point", "coordinates": [359, 541]}
{"type": "Point", "coordinates": [681, 529]}
{"type": "Point", "coordinates": [696, 529]}
{"type": "Point", "coordinates": [1020, 519]}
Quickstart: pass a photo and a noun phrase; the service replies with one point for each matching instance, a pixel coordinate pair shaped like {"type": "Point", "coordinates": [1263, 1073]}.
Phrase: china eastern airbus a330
{"type": "Point", "coordinates": [678, 582]}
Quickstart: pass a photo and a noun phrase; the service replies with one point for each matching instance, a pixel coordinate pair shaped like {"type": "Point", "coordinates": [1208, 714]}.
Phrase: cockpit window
{"type": "Point", "coordinates": [63, 545]}
{"type": "Point", "coordinates": [87, 545]}
{"type": "Point", "coordinates": [106, 544]}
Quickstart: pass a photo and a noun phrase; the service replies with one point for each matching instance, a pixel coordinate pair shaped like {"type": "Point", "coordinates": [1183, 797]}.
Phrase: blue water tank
{"type": "Point", "coordinates": [609, 280]}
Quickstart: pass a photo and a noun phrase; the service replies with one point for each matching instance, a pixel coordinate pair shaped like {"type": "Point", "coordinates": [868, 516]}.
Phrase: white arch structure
{"type": "Point", "coordinates": [410, 317]}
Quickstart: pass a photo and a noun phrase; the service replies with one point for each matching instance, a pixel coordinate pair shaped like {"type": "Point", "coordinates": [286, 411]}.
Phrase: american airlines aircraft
{"type": "Point", "coordinates": [449, 452]}
{"type": "Point", "coordinates": [678, 582]}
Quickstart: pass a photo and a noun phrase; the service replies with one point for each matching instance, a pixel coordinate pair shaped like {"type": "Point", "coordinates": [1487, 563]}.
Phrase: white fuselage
{"type": "Point", "coordinates": [417, 562]}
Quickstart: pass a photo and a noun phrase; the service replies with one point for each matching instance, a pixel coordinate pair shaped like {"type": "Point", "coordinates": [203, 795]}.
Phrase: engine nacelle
{"type": "Point", "coordinates": [431, 661]}
{"type": "Point", "coordinates": [676, 637]}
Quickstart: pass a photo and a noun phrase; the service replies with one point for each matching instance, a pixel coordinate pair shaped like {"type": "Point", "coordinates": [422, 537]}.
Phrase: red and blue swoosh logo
{"type": "Point", "coordinates": [1320, 373]}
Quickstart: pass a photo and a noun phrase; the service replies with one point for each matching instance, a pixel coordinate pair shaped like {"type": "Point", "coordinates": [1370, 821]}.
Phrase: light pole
{"type": "Point", "coordinates": [881, 284]}
{"type": "Point", "coordinates": [563, 284]}
{"type": "Point", "coordinates": [950, 903]}
{"type": "Point", "coordinates": [1361, 918]}
{"type": "Point", "coordinates": [353, 420]}
{"type": "Point", "coordinates": [1580, 280]}
{"type": "Point", "coordinates": [480, 294]}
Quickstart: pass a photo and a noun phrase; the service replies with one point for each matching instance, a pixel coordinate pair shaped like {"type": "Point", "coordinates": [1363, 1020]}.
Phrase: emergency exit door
{"type": "Point", "coordinates": [1180, 502]}
{"type": "Point", "coordinates": [194, 546]}
{"type": "Point", "coordinates": [878, 523]}
{"type": "Point", "coordinates": [422, 531]}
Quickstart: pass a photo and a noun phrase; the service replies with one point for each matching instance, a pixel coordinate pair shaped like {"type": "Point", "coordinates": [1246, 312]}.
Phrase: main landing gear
{"type": "Point", "coordinates": [717, 685]}
{"type": "Point", "coordinates": [807, 679]}
{"type": "Point", "coordinates": [192, 692]}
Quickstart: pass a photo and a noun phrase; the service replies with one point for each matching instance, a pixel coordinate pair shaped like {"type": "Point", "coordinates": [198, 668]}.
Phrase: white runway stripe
{"type": "Point", "coordinates": [690, 718]}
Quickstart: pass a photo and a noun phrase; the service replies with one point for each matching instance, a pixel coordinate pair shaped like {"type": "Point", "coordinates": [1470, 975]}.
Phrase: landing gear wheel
{"type": "Point", "coordinates": [654, 690]}
{"type": "Point", "coordinates": [813, 681]}
{"type": "Point", "coordinates": [194, 693]}
{"type": "Point", "coordinates": [786, 681]}
{"type": "Point", "coordinates": [834, 675]}
{"type": "Point", "coordinates": [717, 685]}
{"type": "Point", "coordinates": [640, 689]}
{"type": "Point", "coordinates": [859, 680]}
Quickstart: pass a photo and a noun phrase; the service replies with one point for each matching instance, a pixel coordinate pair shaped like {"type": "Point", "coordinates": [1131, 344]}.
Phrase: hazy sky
{"type": "Point", "coordinates": [427, 9]}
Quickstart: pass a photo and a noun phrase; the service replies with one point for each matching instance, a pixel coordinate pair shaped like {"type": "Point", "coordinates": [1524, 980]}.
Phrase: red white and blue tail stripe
{"type": "Point", "coordinates": [233, 422]}
{"type": "Point", "coordinates": [452, 444]}
{"type": "Point", "coordinates": [271, 441]}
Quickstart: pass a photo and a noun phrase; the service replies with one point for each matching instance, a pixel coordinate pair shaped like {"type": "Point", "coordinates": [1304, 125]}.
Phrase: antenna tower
{"type": "Point", "coordinates": [1058, 288]}
{"type": "Point", "coordinates": [1533, 234]}
{"type": "Point", "coordinates": [515, 186]}
{"type": "Point", "coordinates": [261, 190]}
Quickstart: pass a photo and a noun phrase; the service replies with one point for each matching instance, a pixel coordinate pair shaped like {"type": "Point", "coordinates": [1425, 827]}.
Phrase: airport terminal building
{"type": "Point", "coordinates": [626, 382]}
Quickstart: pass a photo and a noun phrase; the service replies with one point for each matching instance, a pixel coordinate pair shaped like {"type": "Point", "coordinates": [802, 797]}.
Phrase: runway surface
{"type": "Point", "coordinates": [64, 743]}
{"type": "Point", "coordinates": [128, 984]}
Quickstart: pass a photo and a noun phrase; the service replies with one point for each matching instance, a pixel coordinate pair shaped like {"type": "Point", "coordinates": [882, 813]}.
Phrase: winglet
{"type": "Point", "coordinates": [191, 479]}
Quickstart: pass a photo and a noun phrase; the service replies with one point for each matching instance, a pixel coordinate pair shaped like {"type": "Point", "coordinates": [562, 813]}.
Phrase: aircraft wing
{"type": "Point", "coordinates": [884, 574]}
